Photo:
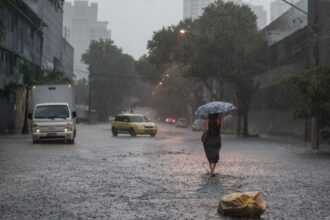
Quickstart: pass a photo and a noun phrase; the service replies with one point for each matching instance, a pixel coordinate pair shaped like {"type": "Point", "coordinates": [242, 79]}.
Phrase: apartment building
{"type": "Point", "coordinates": [80, 28]}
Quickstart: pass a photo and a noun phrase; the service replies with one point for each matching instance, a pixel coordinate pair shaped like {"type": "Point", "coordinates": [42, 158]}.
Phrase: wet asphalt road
{"type": "Point", "coordinates": [102, 177]}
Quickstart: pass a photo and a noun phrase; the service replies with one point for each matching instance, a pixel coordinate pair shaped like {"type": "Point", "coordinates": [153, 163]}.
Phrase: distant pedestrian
{"type": "Point", "coordinates": [212, 140]}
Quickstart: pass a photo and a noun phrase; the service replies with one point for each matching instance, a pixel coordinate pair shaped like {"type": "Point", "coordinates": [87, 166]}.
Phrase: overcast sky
{"type": "Point", "coordinates": [132, 22]}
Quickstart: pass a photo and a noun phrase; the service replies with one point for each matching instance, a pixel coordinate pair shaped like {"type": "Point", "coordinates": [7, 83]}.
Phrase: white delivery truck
{"type": "Point", "coordinates": [54, 113]}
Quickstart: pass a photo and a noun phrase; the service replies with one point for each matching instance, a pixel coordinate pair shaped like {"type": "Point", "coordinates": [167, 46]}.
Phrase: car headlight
{"type": "Point", "coordinates": [35, 128]}
{"type": "Point", "coordinates": [68, 127]}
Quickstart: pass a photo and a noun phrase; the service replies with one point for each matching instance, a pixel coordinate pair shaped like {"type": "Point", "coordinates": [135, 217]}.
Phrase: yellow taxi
{"type": "Point", "coordinates": [133, 124]}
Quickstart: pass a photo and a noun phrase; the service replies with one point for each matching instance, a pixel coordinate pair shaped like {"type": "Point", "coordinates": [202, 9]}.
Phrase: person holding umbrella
{"type": "Point", "coordinates": [211, 137]}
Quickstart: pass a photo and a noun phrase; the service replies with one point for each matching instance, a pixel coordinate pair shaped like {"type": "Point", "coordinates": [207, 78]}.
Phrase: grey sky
{"type": "Point", "coordinates": [133, 22]}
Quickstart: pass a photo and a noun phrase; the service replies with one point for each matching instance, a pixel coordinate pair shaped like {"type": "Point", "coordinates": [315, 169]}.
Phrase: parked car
{"type": "Point", "coordinates": [133, 124]}
{"type": "Point", "coordinates": [198, 125]}
{"type": "Point", "coordinates": [181, 123]}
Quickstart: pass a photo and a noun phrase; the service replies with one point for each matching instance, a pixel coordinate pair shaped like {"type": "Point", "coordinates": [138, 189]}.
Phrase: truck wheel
{"type": "Point", "coordinates": [132, 132]}
{"type": "Point", "coordinates": [153, 135]}
{"type": "Point", "coordinates": [35, 141]}
{"type": "Point", "coordinates": [114, 132]}
{"type": "Point", "coordinates": [71, 141]}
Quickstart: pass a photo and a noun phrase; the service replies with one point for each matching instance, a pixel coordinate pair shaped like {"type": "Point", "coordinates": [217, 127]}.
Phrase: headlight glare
{"type": "Point", "coordinates": [68, 127]}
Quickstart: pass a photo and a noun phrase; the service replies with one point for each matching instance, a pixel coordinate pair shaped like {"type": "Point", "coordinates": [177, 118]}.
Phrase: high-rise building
{"type": "Point", "coordinates": [195, 8]}
{"type": "Point", "coordinates": [278, 7]}
{"type": "Point", "coordinates": [261, 15]}
{"type": "Point", "coordinates": [80, 28]}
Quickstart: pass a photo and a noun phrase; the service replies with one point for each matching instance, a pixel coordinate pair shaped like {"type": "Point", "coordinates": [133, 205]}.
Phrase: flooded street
{"type": "Point", "coordinates": [166, 177]}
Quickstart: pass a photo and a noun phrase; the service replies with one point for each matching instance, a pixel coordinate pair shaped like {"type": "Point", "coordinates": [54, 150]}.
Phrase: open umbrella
{"type": "Point", "coordinates": [215, 107]}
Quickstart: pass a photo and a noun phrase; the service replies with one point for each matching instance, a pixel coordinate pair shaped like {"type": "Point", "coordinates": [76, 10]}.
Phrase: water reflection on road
{"type": "Point", "coordinates": [165, 177]}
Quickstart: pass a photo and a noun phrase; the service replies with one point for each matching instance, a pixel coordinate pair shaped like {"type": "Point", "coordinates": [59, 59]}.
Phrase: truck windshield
{"type": "Point", "coordinates": [52, 111]}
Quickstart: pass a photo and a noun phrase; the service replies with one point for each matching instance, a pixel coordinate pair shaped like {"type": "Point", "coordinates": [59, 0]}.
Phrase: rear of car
{"type": "Point", "coordinates": [133, 124]}
{"type": "Point", "coordinates": [198, 125]}
{"type": "Point", "coordinates": [181, 123]}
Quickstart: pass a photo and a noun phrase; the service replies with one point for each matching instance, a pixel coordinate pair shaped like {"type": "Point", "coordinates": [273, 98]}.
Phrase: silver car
{"type": "Point", "coordinates": [198, 125]}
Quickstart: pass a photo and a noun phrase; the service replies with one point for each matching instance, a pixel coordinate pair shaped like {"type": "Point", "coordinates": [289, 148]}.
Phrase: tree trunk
{"type": "Point", "coordinates": [238, 124]}
{"type": "Point", "coordinates": [25, 129]}
{"type": "Point", "coordinates": [315, 134]}
{"type": "Point", "coordinates": [246, 124]}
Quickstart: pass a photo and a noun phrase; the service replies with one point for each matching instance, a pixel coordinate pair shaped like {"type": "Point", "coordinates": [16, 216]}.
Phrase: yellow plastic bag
{"type": "Point", "coordinates": [243, 204]}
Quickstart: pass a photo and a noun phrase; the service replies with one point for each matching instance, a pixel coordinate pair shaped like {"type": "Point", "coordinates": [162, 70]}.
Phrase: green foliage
{"type": "Point", "coordinates": [113, 77]}
{"type": "Point", "coordinates": [32, 75]}
{"type": "Point", "coordinates": [169, 46]}
{"type": "Point", "coordinates": [223, 45]}
{"type": "Point", "coordinates": [148, 71]}
{"type": "Point", "coordinates": [314, 87]}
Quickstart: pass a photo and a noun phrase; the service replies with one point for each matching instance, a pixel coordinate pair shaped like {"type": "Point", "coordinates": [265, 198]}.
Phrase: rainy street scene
{"type": "Point", "coordinates": [154, 109]}
{"type": "Point", "coordinates": [166, 177]}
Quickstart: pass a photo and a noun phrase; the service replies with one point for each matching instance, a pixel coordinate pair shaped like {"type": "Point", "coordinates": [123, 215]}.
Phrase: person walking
{"type": "Point", "coordinates": [212, 140]}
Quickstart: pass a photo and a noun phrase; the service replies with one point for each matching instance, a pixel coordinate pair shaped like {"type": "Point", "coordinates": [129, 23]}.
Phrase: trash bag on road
{"type": "Point", "coordinates": [243, 204]}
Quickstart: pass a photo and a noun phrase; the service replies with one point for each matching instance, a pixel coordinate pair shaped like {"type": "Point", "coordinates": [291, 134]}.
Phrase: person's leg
{"type": "Point", "coordinates": [212, 167]}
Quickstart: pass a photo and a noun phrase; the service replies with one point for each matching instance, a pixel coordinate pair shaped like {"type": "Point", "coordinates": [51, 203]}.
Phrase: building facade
{"type": "Point", "coordinates": [31, 34]}
{"type": "Point", "coordinates": [55, 47]}
{"type": "Point", "coordinates": [292, 40]}
{"type": "Point", "coordinates": [278, 7]}
{"type": "Point", "coordinates": [80, 28]}
{"type": "Point", "coordinates": [261, 14]}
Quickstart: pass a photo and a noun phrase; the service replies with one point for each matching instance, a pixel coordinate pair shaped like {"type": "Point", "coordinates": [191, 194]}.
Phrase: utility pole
{"type": "Point", "coordinates": [90, 95]}
{"type": "Point", "coordinates": [315, 55]}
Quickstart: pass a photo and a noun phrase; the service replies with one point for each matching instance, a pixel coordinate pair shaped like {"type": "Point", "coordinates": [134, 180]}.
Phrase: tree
{"type": "Point", "coordinates": [228, 49]}
{"type": "Point", "coordinates": [314, 87]}
{"type": "Point", "coordinates": [112, 77]}
{"type": "Point", "coordinates": [168, 54]}
{"type": "Point", "coordinates": [148, 71]}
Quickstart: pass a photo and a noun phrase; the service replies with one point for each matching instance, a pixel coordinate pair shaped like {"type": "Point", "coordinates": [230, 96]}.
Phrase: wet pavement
{"type": "Point", "coordinates": [166, 177]}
